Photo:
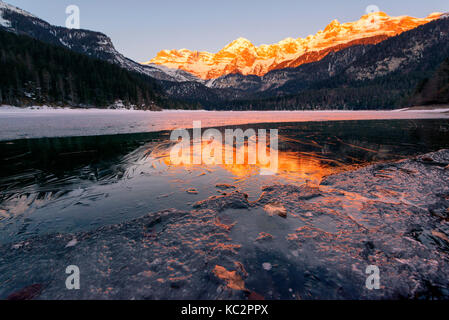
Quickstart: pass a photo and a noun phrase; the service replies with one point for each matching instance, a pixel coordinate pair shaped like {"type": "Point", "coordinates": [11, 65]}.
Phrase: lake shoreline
{"type": "Point", "coordinates": [8, 108]}
{"type": "Point", "coordinates": [49, 123]}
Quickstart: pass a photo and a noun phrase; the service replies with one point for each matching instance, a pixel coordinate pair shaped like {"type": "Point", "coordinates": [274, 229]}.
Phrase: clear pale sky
{"type": "Point", "coordinates": [141, 28]}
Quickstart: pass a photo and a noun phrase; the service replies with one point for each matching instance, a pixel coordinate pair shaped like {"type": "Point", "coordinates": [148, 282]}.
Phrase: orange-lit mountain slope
{"type": "Point", "coordinates": [241, 56]}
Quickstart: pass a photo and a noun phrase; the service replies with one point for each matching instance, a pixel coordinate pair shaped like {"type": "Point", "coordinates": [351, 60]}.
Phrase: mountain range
{"type": "Point", "coordinates": [242, 57]}
{"type": "Point", "coordinates": [376, 62]}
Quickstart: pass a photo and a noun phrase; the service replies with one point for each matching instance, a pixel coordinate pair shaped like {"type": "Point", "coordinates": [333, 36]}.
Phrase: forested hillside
{"type": "Point", "coordinates": [434, 90]}
{"type": "Point", "coordinates": [33, 72]}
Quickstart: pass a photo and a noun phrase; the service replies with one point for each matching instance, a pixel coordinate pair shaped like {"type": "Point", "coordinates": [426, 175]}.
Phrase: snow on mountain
{"type": "Point", "coordinates": [6, 6]}
{"type": "Point", "coordinates": [177, 75]}
{"type": "Point", "coordinates": [242, 57]}
{"type": "Point", "coordinates": [3, 22]}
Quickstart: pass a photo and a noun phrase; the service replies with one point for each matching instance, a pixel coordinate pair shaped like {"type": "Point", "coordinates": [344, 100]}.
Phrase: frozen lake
{"type": "Point", "coordinates": [141, 227]}
{"type": "Point", "coordinates": [97, 188]}
{"type": "Point", "coordinates": [18, 123]}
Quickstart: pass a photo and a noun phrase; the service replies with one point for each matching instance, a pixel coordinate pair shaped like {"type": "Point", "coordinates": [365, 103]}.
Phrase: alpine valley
{"type": "Point", "coordinates": [377, 62]}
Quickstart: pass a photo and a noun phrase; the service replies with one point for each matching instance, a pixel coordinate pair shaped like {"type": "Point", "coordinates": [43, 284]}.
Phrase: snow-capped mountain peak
{"type": "Point", "coordinates": [241, 56]}
{"type": "Point", "coordinates": [238, 45]}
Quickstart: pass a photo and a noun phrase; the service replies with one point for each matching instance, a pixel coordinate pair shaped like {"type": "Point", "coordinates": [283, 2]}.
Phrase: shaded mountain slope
{"type": "Point", "coordinates": [91, 43]}
{"type": "Point", "coordinates": [433, 90]}
{"type": "Point", "coordinates": [33, 72]}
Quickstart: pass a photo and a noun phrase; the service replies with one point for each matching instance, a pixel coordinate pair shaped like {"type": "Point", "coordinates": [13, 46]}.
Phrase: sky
{"type": "Point", "coordinates": [141, 28]}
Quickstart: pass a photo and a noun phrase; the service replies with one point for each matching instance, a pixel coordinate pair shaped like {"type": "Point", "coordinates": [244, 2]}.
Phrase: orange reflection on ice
{"type": "Point", "coordinates": [293, 166]}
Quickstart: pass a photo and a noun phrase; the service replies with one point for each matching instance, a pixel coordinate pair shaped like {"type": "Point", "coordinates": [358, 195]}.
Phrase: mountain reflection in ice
{"type": "Point", "coordinates": [141, 227]}
{"type": "Point", "coordinates": [77, 183]}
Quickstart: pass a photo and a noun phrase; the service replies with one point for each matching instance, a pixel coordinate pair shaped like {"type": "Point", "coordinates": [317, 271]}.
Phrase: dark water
{"type": "Point", "coordinates": [79, 184]}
